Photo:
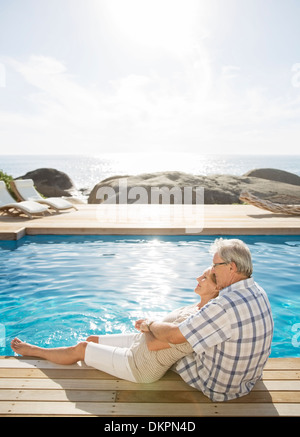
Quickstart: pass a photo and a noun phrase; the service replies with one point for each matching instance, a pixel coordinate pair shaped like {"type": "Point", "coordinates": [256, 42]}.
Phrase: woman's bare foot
{"type": "Point", "coordinates": [22, 348]}
{"type": "Point", "coordinates": [93, 338]}
{"type": "Point", "coordinates": [58, 355]}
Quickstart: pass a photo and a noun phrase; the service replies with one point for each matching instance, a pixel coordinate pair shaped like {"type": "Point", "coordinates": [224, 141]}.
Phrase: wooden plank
{"type": "Point", "coordinates": [27, 362]}
{"type": "Point", "coordinates": [65, 384]}
{"type": "Point", "coordinates": [91, 384]}
{"type": "Point", "coordinates": [269, 397]}
{"type": "Point", "coordinates": [283, 364]}
{"type": "Point", "coordinates": [95, 374]}
{"type": "Point", "coordinates": [281, 374]}
{"type": "Point", "coordinates": [86, 384]}
{"type": "Point", "coordinates": [148, 409]}
{"type": "Point", "coordinates": [58, 395]}
{"type": "Point", "coordinates": [277, 385]}
{"type": "Point", "coordinates": [8, 363]}
{"type": "Point", "coordinates": [38, 363]}
{"type": "Point", "coordinates": [130, 396]}
{"type": "Point", "coordinates": [54, 373]}
{"type": "Point", "coordinates": [206, 409]}
{"type": "Point", "coordinates": [167, 396]}
{"type": "Point", "coordinates": [56, 408]}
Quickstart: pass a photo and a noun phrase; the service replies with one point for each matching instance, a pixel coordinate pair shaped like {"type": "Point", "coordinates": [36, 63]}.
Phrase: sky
{"type": "Point", "coordinates": [104, 76]}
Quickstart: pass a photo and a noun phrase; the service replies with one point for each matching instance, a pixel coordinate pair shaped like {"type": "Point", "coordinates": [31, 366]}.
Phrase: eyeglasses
{"type": "Point", "coordinates": [217, 264]}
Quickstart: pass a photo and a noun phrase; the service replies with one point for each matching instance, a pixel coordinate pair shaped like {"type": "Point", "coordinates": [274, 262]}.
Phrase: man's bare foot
{"type": "Point", "coordinates": [22, 348]}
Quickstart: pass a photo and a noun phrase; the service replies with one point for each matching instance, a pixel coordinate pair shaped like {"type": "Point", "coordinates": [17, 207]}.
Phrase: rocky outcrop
{"type": "Point", "coordinates": [272, 174]}
{"type": "Point", "coordinates": [51, 182]}
{"type": "Point", "coordinates": [218, 189]}
{"type": "Point", "coordinates": [277, 186]}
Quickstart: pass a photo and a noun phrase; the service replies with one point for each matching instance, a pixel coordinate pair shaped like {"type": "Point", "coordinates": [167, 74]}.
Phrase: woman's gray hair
{"type": "Point", "coordinates": [234, 250]}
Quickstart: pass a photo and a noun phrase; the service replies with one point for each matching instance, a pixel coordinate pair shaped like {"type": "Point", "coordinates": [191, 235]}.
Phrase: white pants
{"type": "Point", "coordinates": [110, 355]}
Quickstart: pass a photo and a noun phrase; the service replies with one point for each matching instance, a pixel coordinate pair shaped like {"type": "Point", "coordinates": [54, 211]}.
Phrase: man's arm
{"type": "Point", "coordinates": [153, 344]}
{"type": "Point", "coordinates": [163, 331]}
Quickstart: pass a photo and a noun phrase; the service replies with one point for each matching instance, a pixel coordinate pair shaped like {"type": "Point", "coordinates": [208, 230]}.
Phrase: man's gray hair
{"type": "Point", "coordinates": [234, 250]}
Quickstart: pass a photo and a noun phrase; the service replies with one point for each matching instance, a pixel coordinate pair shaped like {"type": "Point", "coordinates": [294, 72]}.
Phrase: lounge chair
{"type": "Point", "coordinates": [270, 206]}
{"type": "Point", "coordinates": [9, 205]}
{"type": "Point", "coordinates": [25, 190]}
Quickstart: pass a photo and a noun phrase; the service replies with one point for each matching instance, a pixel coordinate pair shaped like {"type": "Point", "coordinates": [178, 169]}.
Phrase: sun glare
{"type": "Point", "coordinates": [165, 24]}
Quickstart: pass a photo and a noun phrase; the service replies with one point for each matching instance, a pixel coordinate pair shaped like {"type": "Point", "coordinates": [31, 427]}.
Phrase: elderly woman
{"type": "Point", "coordinates": [136, 357]}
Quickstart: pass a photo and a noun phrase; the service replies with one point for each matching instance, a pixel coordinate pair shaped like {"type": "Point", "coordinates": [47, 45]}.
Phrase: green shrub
{"type": "Point", "coordinates": [7, 178]}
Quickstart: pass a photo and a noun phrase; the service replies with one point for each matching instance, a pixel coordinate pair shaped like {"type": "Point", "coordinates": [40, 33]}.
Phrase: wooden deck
{"type": "Point", "coordinates": [153, 219]}
{"type": "Point", "coordinates": [34, 387]}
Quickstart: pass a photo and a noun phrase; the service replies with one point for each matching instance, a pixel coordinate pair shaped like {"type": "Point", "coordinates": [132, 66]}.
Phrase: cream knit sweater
{"type": "Point", "coordinates": [149, 366]}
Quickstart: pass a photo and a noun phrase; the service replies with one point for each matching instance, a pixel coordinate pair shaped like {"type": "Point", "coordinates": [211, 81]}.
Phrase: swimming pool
{"type": "Point", "coordinates": [57, 290]}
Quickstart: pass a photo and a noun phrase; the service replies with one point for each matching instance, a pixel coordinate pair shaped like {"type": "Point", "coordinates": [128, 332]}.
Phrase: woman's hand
{"type": "Point", "coordinates": [141, 325]}
{"type": "Point", "coordinates": [163, 331]}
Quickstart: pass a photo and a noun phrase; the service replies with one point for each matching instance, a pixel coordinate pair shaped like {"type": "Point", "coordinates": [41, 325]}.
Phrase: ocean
{"type": "Point", "coordinates": [87, 170]}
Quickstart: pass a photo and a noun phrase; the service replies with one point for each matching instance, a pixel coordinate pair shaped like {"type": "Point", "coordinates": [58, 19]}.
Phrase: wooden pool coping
{"type": "Point", "coordinates": [153, 220]}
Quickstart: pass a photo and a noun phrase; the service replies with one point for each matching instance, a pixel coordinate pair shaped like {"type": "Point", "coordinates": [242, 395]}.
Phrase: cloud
{"type": "Point", "coordinates": [197, 108]}
{"type": "Point", "coordinates": [56, 89]}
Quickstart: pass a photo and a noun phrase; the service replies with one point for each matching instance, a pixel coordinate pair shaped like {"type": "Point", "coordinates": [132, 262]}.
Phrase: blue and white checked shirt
{"type": "Point", "coordinates": [231, 337]}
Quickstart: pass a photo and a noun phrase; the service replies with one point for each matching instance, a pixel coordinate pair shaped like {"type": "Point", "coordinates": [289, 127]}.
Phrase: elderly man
{"type": "Point", "coordinates": [231, 336]}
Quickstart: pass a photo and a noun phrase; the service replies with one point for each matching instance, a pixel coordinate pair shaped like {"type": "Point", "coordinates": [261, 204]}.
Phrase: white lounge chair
{"type": "Point", "coordinates": [25, 190]}
{"type": "Point", "coordinates": [9, 205]}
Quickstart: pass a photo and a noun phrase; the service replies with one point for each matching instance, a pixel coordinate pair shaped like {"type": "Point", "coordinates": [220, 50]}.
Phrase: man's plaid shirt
{"type": "Point", "coordinates": [231, 337]}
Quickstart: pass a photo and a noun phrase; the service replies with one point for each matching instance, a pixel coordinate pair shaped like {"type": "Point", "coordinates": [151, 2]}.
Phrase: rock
{"type": "Point", "coordinates": [51, 182]}
{"type": "Point", "coordinates": [218, 189]}
{"type": "Point", "coordinates": [272, 174]}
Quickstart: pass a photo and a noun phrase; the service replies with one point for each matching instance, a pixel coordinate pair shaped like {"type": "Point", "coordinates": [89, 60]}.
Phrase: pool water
{"type": "Point", "coordinates": [57, 290]}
